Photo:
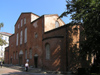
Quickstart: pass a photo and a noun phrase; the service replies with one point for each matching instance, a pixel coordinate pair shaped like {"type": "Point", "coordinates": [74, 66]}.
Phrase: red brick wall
{"type": "Point", "coordinates": [32, 43]}
{"type": "Point", "coordinates": [36, 42]}
{"type": "Point", "coordinates": [69, 48]}
{"type": "Point", "coordinates": [6, 58]}
{"type": "Point", "coordinates": [11, 48]}
{"type": "Point", "coordinates": [55, 61]}
{"type": "Point", "coordinates": [57, 40]}
{"type": "Point", "coordinates": [75, 60]}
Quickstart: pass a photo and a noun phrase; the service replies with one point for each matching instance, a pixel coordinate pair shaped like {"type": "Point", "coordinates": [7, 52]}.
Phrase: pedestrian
{"type": "Point", "coordinates": [1, 64]}
{"type": "Point", "coordinates": [26, 66]}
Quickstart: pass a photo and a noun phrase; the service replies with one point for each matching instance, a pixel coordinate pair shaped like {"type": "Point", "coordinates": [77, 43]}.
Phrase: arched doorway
{"type": "Point", "coordinates": [20, 57]}
{"type": "Point", "coordinates": [36, 60]}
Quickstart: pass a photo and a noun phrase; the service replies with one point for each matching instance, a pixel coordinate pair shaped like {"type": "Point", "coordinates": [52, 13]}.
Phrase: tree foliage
{"type": "Point", "coordinates": [1, 25]}
{"type": "Point", "coordinates": [86, 12]}
{"type": "Point", "coordinates": [2, 42]}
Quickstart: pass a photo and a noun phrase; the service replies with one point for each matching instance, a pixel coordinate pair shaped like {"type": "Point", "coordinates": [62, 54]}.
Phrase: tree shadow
{"type": "Point", "coordinates": [56, 59]}
{"type": "Point", "coordinates": [75, 58]}
{"type": "Point", "coordinates": [65, 52]}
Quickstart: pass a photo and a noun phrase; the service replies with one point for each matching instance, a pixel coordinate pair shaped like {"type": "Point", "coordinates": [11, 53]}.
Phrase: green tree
{"type": "Point", "coordinates": [86, 12]}
{"type": "Point", "coordinates": [2, 42]}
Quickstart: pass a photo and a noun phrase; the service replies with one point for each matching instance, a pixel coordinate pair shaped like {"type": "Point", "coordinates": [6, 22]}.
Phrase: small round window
{"type": "Point", "coordinates": [57, 24]}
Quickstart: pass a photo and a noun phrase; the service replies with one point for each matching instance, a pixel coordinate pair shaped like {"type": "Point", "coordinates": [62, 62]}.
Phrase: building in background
{"type": "Point", "coordinates": [5, 36]}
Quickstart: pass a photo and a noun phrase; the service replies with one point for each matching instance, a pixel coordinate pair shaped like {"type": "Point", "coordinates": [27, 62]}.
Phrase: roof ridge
{"type": "Point", "coordinates": [6, 33]}
{"type": "Point", "coordinates": [29, 13]}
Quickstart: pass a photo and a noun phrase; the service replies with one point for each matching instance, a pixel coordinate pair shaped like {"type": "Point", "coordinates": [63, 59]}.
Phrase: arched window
{"type": "Point", "coordinates": [21, 34]}
{"type": "Point", "coordinates": [17, 40]}
{"type": "Point", "coordinates": [57, 24]}
{"type": "Point", "coordinates": [25, 35]}
{"type": "Point", "coordinates": [21, 22]}
{"type": "Point", "coordinates": [24, 20]}
{"type": "Point", "coordinates": [16, 55]}
{"type": "Point", "coordinates": [47, 47]}
{"type": "Point", "coordinates": [25, 54]}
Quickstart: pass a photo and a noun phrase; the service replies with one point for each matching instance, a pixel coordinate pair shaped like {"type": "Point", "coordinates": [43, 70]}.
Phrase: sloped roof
{"type": "Point", "coordinates": [5, 33]}
{"type": "Point", "coordinates": [29, 13]}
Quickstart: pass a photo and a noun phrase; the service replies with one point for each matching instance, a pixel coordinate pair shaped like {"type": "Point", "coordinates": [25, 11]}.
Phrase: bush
{"type": "Point", "coordinates": [95, 69]}
{"type": "Point", "coordinates": [81, 71]}
{"type": "Point", "coordinates": [95, 74]}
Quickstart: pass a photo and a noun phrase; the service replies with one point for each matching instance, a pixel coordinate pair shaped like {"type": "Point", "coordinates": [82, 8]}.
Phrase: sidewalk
{"type": "Point", "coordinates": [33, 70]}
{"type": "Point", "coordinates": [22, 68]}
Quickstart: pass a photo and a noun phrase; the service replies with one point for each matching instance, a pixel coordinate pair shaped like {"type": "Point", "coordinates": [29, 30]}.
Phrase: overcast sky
{"type": "Point", "coordinates": [10, 10]}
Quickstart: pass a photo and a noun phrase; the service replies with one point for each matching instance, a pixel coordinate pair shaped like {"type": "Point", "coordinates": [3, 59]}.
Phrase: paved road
{"type": "Point", "coordinates": [9, 71]}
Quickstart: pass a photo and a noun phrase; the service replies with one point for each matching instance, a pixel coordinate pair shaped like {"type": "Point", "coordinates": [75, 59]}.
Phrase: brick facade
{"type": "Point", "coordinates": [42, 31]}
{"type": "Point", "coordinates": [6, 55]}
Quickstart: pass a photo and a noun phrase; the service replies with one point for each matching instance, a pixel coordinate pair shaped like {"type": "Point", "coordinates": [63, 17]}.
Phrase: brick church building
{"type": "Point", "coordinates": [45, 42]}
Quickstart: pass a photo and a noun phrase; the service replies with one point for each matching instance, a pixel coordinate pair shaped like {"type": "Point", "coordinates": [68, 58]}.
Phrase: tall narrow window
{"type": "Point", "coordinates": [16, 55]}
{"type": "Point", "coordinates": [30, 53]}
{"type": "Point", "coordinates": [18, 25]}
{"type": "Point", "coordinates": [47, 51]}
{"type": "Point", "coordinates": [21, 37]}
{"type": "Point", "coordinates": [25, 36]}
{"type": "Point", "coordinates": [6, 39]}
{"type": "Point", "coordinates": [24, 20]}
{"type": "Point", "coordinates": [25, 54]}
{"type": "Point", "coordinates": [17, 40]}
{"type": "Point", "coordinates": [1, 48]}
{"type": "Point", "coordinates": [21, 22]}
